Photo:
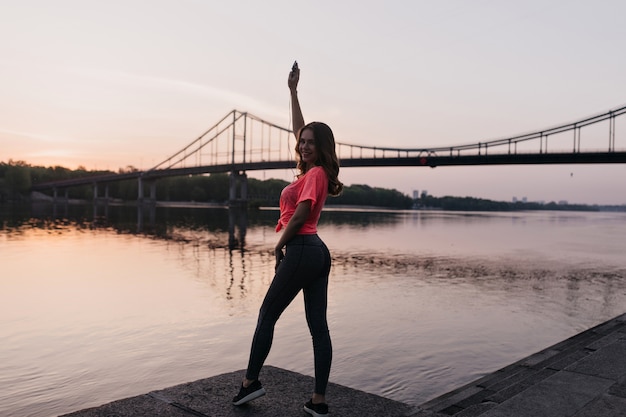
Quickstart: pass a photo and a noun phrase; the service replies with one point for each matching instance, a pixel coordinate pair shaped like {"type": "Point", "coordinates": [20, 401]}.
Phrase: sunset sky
{"type": "Point", "coordinates": [108, 84]}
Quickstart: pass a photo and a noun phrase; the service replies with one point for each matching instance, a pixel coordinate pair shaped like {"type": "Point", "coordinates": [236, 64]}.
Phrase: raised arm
{"type": "Point", "coordinates": [296, 112]}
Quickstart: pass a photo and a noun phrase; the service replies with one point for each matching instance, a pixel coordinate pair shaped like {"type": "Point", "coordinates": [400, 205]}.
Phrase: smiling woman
{"type": "Point", "coordinates": [305, 264]}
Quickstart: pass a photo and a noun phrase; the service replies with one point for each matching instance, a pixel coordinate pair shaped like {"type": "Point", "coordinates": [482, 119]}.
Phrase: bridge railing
{"type": "Point", "coordinates": [242, 138]}
{"type": "Point", "coordinates": [541, 141]}
{"type": "Point", "coordinates": [241, 141]}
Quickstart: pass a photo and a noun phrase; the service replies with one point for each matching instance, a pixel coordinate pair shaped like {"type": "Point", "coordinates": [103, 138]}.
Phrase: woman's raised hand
{"type": "Point", "coordinates": [294, 77]}
{"type": "Point", "coordinates": [296, 112]}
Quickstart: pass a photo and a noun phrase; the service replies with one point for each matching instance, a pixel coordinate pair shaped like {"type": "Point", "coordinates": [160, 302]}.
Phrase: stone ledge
{"type": "Point", "coordinates": [211, 397]}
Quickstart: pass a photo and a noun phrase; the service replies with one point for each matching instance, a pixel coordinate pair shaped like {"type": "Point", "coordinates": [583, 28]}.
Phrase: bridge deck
{"type": "Point", "coordinates": [414, 161]}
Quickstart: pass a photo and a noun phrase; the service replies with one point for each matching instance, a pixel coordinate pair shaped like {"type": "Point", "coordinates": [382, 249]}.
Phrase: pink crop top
{"type": "Point", "coordinates": [311, 186]}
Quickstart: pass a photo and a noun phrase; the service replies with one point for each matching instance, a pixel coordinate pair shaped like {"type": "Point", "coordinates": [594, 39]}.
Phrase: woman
{"type": "Point", "coordinates": [305, 264]}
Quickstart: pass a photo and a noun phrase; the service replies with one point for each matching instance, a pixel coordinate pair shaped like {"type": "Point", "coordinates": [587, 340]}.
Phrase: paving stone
{"type": "Point", "coordinates": [508, 392]}
{"type": "Point", "coordinates": [576, 341]}
{"type": "Point", "coordinates": [567, 356]}
{"type": "Point", "coordinates": [499, 376]}
{"type": "Point", "coordinates": [608, 327]}
{"type": "Point", "coordinates": [453, 397]}
{"type": "Point", "coordinates": [605, 406]}
{"type": "Point", "coordinates": [563, 361]}
{"type": "Point", "coordinates": [477, 398]}
{"type": "Point", "coordinates": [523, 374]}
{"type": "Point", "coordinates": [618, 389]}
{"type": "Point", "coordinates": [451, 410]}
{"type": "Point", "coordinates": [512, 390]}
{"type": "Point", "coordinates": [560, 395]}
{"type": "Point", "coordinates": [476, 410]}
{"type": "Point", "coordinates": [540, 376]}
{"type": "Point", "coordinates": [607, 362]}
{"type": "Point", "coordinates": [539, 357]}
{"type": "Point", "coordinates": [420, 412]}
{"type": "Point", "coordinates": [606, 340]}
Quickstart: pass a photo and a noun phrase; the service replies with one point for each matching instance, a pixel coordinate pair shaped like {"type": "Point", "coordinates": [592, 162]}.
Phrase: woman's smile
{"type": "Point", "coordinates": [306, 146]}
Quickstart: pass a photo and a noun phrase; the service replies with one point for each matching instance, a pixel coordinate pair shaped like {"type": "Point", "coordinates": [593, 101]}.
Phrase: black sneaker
{"type": "Point", "coordinates": [316, 410]}
{"type": "Point", "coordinates": [255, 390]}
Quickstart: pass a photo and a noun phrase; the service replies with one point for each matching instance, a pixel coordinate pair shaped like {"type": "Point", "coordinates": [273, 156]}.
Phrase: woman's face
{"type": "Point", "coordinates": [306, 146]}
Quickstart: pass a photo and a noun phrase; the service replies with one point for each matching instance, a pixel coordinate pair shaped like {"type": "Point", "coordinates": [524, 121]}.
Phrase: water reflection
{"type": "Point", "coordinates": [500, 250]}
{"type": "Point", "coordinates": [446, 296]}
{"type": "Point", "coordinates": [237, 219]}
{"type": "Point", "coordinates": [168, 221]}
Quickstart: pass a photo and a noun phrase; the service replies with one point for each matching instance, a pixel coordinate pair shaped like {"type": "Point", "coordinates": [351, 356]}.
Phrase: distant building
{"type": "Point", "coordinates": [416, 194]}
{"type": "Point", "coordinates": [563, 203]}
{"type": "Point", "coordinates": [424, 194]}
{"type": "Point", "coordinates": [515, 199]}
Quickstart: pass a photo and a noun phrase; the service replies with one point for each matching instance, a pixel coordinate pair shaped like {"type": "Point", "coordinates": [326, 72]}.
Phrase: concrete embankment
{"type": "Point", "coordinates": [583, 376]}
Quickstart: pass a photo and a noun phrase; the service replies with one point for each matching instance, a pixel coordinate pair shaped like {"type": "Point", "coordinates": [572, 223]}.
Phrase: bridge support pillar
{"type": "Point", "coordinates": [96, 193]}
{"type": "Point", "coordinates": [153, 191]}
{"type": "Point", "coordinates": [141, 192]}
{"type": "Point", "coordinates": [55, 196]}
{"type": "Point", "coordinates": [238, 182]}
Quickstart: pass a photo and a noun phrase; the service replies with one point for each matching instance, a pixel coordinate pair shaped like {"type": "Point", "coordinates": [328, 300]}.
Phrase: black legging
{"type": "Point", "coordinates": [306, 266]}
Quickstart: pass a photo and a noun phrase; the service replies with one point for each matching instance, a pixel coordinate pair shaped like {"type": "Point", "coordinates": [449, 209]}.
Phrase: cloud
{"type": "Point", "coordinates": [55, 154]}
{"type": "Point", "coordinates": [156, 83]}
{"type": "Point", "coordinates": [30, 135]}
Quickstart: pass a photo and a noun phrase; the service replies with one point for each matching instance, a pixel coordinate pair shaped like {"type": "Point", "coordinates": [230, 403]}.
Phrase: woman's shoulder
{"type": "Point", "coordinates": [317, 170]}
{"type": "Point", "coordinates": [318, 173]}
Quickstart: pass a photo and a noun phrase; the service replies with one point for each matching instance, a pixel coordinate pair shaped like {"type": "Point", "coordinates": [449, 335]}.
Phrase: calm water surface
{"type": "Point", "coordinates": [421, 302]}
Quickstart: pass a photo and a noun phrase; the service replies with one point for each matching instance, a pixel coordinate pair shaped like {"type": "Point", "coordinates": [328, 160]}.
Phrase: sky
{"type": "Point", "coordinates": [107, 85]}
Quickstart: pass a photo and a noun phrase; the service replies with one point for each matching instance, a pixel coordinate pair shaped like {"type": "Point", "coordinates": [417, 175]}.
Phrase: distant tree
{"type": "Point", "coordinates": [17, 177]}
{"type": "Point", "coordinates": [198, 194]}
{"type": "Point", "coordinates": [266, 192]}
{"type": "Point", "coordinates": [128, 169]}
{"type": "Point", "coordinates": [364, 195]}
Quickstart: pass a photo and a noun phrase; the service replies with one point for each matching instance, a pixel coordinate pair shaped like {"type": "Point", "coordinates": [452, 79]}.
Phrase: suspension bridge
{"type": "Point", "coordinates": [242, 142]}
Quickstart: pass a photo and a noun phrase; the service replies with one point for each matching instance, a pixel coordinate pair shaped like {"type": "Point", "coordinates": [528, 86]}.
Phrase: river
{"type": "Point", "coordinates": [98, 305]}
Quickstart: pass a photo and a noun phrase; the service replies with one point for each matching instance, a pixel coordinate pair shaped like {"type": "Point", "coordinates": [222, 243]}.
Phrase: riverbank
{"type": "Point", "coordinates": [428, 203]}
{"type": "Point", "coordinates": [584, 375]}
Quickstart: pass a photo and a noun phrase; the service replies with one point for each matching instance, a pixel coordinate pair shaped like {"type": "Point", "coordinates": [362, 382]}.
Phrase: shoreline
{"type": "Point", "coordinates": [582, 375]}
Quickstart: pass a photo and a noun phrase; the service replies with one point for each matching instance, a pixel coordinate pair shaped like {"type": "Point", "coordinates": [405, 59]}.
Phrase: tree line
{"type": "Point", "coordinates": [479, 204]}
{"type": "Point", "coordinates": [17, 178]}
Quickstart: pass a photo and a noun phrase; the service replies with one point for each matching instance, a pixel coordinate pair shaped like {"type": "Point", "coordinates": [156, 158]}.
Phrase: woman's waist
{"type": "Point", "coordinates": [305, 239]}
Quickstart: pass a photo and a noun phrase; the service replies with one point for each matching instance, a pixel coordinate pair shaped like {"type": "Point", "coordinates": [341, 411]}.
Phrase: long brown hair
{"type": "Point", "coordinates": [326, 156]}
